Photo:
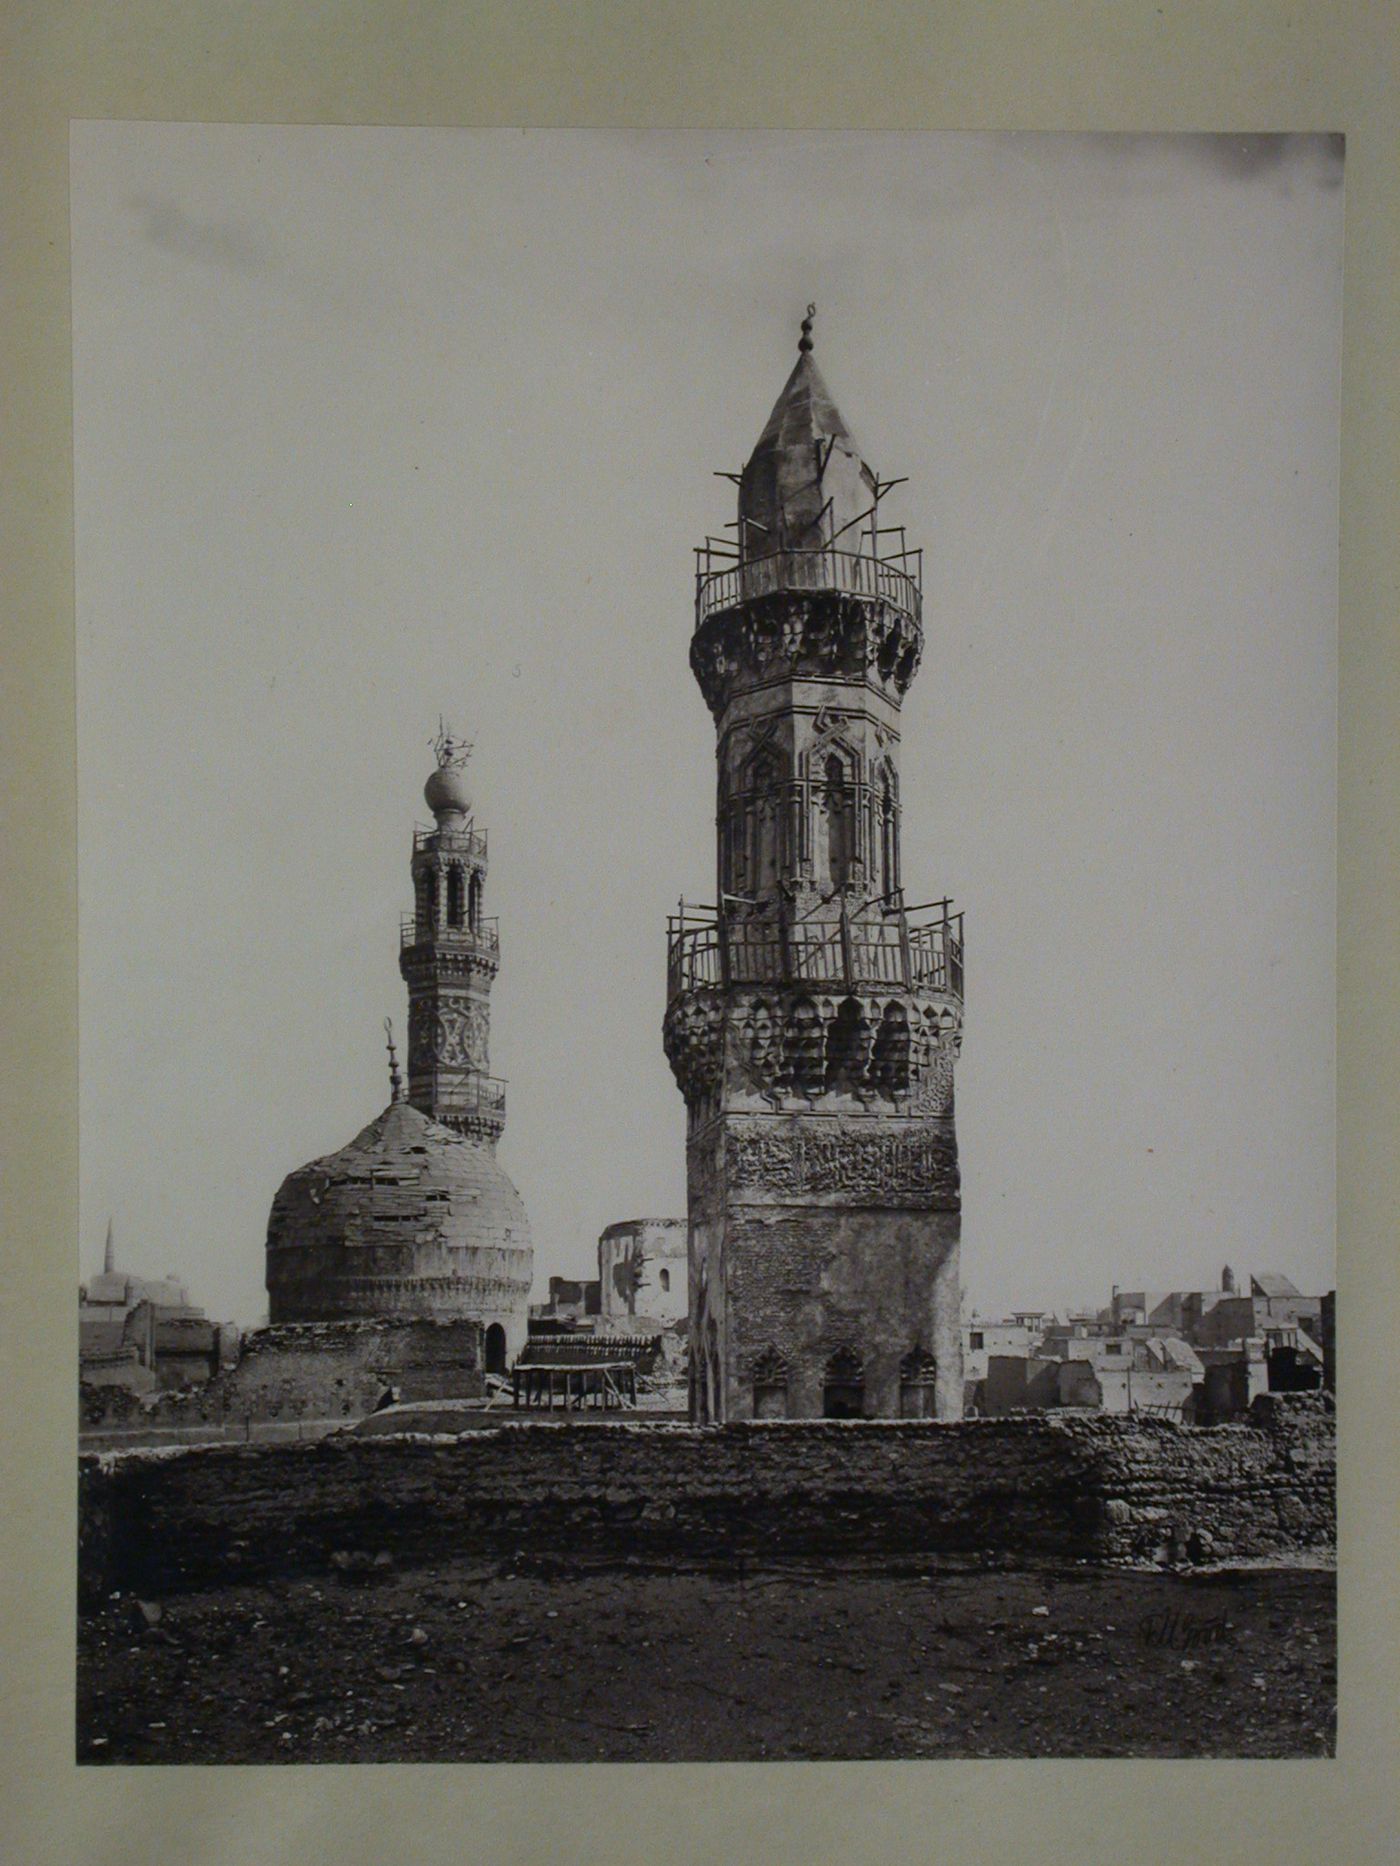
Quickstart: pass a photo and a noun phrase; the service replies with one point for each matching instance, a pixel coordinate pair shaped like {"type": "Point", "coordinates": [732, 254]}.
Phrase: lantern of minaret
{"type": "Point", "coordinates": [813, 1016]}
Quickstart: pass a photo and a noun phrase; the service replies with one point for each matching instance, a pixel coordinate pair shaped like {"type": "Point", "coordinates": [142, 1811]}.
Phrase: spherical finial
{"type": "Point", "coordinates": [804, 342]}
{"type": "Point", "coordinates": [445, 792]}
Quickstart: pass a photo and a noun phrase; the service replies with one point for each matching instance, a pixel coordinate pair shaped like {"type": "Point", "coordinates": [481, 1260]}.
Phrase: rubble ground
{"type": "Point", "coordinates": [542, 1660]}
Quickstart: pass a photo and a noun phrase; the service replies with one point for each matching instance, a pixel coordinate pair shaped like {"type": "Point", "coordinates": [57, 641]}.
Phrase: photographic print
{"type": "Point", "coordinates": [707, 943]}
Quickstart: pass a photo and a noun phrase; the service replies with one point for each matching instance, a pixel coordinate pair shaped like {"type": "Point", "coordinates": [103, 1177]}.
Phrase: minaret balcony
{"type": "Point", "coordinates": [850, 572]}
{"type": "Point", "coordinates": [484, 937]}
{"type": "Point", "coordinates": [894, 949]}
{"type": "Point", "coordinates": [468, 841]}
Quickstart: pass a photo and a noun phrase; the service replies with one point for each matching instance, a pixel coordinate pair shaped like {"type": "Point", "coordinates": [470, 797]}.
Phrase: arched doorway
{"type": "Point", "coordinates": [495, 1349]}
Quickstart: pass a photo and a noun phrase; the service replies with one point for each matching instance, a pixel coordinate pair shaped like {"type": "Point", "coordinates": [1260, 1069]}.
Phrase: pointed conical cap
{"type": "Point", "coordinates": [805, 481]}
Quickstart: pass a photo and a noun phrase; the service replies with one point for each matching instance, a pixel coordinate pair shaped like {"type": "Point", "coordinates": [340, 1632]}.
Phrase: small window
{"type": "Point", "coordinates": [978, 1339]}
{"type": "Point", "coordinates": [665, 1279]}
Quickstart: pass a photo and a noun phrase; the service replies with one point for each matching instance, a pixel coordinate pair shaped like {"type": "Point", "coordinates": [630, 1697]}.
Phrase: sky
{"type": "Point", "coordinates": [373, 425]}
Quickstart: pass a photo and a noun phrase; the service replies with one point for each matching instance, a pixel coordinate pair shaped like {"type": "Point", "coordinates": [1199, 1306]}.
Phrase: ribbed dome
{"type": "Point", "coordinates": [409, 1220]}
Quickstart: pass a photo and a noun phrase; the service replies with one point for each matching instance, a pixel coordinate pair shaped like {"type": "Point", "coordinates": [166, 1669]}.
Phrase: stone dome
{"type": "Point", "coordinates": [446, 793]}
{"type": "Point", "coordinates": [410, 1219]}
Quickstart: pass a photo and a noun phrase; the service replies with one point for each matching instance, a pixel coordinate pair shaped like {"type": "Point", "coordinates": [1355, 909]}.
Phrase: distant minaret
{"type": "Point", "coordinates": [449, 955]}
{"type": "Point", "coordinates": [813, 1018]}
{"type": "Point", "coordinates": [109, 1255]}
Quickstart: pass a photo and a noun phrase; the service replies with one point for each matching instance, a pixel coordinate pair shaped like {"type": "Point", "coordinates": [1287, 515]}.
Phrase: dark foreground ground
{"type": "Point", "coordinates": [489, 1663]}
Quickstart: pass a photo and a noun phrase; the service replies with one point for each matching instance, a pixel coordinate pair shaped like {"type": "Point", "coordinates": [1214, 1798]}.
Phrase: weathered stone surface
{"type": "Point", "coordinates": [813, 1027]}
{"type": "Point", "coordinates": [1016, 1491]}
{"type": "Point", "coordinates": [319, 1370]}
{"type": "Point", "coordinates": [410, 1219]}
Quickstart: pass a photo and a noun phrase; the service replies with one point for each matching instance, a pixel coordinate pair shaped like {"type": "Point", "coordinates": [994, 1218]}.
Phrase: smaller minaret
{"type": "Point", "coordinates": [449, 954]}
{"type": "Point", "coordinates": [109, 1255]}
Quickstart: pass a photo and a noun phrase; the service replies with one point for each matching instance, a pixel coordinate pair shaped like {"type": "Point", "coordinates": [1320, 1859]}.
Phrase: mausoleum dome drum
{"type": "Point", "coordinates": [411, 1219]}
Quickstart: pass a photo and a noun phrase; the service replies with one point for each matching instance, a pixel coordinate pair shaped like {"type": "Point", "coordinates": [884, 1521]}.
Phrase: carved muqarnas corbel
{"type": "Point", "coordinates": [825, 635]}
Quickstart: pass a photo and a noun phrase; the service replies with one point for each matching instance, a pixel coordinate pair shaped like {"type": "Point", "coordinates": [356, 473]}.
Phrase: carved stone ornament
{"type": "Point", "coordinates": [451, 1032]}
{"type": "Point", "coordinates": [693, 1035]}
{"type": "Point", "coordinates": [876, 1164]}
{"type": "Point", "coordinates": [792, 1048]}
{"type": "Point", "coordinates": [826, 635]}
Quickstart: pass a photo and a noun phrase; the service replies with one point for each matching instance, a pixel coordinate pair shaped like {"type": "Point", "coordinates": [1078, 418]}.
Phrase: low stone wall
{"type": "Point", "coordinates": [1037, 1488]}
{"type": "Point", "coordinates": [1258, 1488]}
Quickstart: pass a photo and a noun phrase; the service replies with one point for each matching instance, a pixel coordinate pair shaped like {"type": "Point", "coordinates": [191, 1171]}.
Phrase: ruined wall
{"type": "Point", "coordinates": [319, 1370]}
{"type": "Point", "coordinates": [642, 1270]}
{"type": "Point", "coordinates": [1251, 1489]}
{"type": "Point", "coordinates": [1014, 1491]}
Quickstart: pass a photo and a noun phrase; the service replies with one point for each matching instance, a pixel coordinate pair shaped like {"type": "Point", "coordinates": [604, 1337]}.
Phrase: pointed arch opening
{"type": "Point", "coordinates": [427, 901]}
{"type": "Point", "coordinates": [495, 1349]}
{"type": "Point", "coordinates": [840, 800]}
{"type": "Point", "coordinates": [889, 834]}
{"type": "Point", "coordinates": [770, 1385]}
{"type": "Point", "coordinates": [455, 897]}
{"type": "Point", "coordinates": [765, 865]}
{"type": "Point", "coordinates": [843, 1388]}
{"type": "Point", "coordinates": [918, 1381]}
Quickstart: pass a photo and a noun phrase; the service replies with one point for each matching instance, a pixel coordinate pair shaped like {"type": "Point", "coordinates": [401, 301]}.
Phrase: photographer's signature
{"type": "Point", "coordinates": [1175, 1631]}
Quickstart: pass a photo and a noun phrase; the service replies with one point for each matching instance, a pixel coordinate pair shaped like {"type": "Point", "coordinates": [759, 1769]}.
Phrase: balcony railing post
{"type": "Point", "coordinates": [856, 571]}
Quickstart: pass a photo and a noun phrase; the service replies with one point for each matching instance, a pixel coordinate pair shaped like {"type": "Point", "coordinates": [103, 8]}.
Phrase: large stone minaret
{"type": "Point", "coordinates": [449, 955]}
{"type": "Point", "coordinates": [813, 1018]}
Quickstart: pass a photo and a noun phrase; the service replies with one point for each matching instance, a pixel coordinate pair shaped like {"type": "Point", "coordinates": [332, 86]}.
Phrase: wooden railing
{"type": "Point", "coordinates": [469, 842]}
{"type": "Point", "coordinates": [475, 1095]}
{"type": "Point", "coordinates": [844, 953]}
{"type": "Point", "coordinates": [415, 932]}
{"type": "Point", "coordinates": [849, 571]}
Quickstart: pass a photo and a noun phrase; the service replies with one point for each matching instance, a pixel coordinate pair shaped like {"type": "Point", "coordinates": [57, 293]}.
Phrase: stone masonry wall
{"type": "Point", "coordinates": [1009, 1491]}
{"type": "Point", "coordinates": [323, 1370]}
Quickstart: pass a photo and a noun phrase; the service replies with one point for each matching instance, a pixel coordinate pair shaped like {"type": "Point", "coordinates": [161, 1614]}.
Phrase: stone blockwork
{"type": "Point", "coordinates": [824, 1267]}
{"type": "Point", "coordinates": [823, 635]}
{"type": "Point", "coordinates": [813, 1025]}
{"type": "Point", "coordinates": [411, 1219]}
{"type": "Point", "coordinates": [642, 1271]}
{"type": "Point", "coordinates": [1011, 1492]}
{"type": "Point", "coordinates": [321, 1370]}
